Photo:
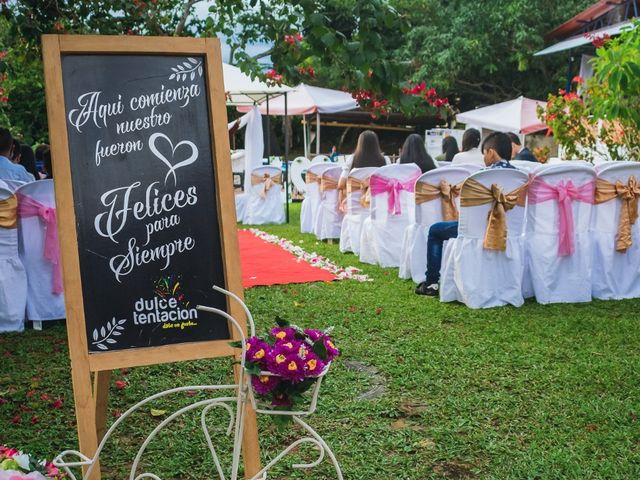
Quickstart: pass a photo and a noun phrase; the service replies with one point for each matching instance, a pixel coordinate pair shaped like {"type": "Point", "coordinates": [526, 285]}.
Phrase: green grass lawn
{"type": "Point", "coordinates": [539, 392]}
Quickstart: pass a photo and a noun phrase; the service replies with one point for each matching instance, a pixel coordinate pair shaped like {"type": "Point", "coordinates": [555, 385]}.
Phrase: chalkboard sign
{"type": "Point", "coordinates": [145, 210]}
{"type": "Point", "coordinates": [144, 196]}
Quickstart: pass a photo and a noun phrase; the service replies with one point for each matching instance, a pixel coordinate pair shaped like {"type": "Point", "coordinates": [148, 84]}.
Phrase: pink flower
{"type": "Point", "coordinates": [121, 384]}
{"type": "Point", "coordinates": [577, 79]}
{"type": "Point", "coordinates": [57, 404]}
{"type": "Point", "coordinates": [52, 470]}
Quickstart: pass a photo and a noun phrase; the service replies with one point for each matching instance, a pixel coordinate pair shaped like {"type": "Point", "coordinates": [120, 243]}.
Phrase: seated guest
{"type": "Point", "coordinates": [367, 154]}
{"type": "Point", "coordinates": [28, 161]}
{"type": "Point", "coordinates": [470, 152]}
{"type": "Point", "coordinates": [16, 152]}
{"type": "Point", "coordinates": [518, 151]}
{"type": "Point", "coordinates": [449, 149]}
{"type": "Point", "coordinates": [414, 151]}
{"type": "Point", "coordinates": [496, 149]}
{"type": "Point", "coordinates": [8, 169]}
{"type": "Point", "coordinates": [39, 151]}
{"type": "Point", "coordinates": [46, 158]}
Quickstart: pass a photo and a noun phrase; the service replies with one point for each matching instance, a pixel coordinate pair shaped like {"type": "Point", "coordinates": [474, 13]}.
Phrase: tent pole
{"type": "Point", "coordinates": [268, 133]}
{"type": "Point", "coordinates": [286, 154]}
{"type": "Point", "coordinates": [304, 136]}
{"type": "Point", "coordinates": [317, 132]}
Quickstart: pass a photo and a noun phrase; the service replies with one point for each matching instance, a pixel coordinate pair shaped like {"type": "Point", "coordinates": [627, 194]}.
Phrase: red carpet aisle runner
{"type": "Point", "coordinates": [264, 263]}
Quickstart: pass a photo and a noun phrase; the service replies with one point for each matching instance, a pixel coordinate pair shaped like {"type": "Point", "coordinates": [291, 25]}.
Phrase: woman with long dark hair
{"type": "Point", "coordinates": [366, 154]}
{"type": "Point", "coordinates": [28, 161]}
{"type": "Point", "coordinates": [414, 151]}
{"type": "Point", "coordinates": [449, 149]}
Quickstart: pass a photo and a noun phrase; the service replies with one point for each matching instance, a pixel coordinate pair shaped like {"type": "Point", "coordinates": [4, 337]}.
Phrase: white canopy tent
{"type": "Point", "coordinates": [518, 116]}
{"type": "Point", "coordinates": [241, 90]}
{"type": "Point", "coordinates": [305, 100]}
{"type": "Point", "coordinates": [583, 39]}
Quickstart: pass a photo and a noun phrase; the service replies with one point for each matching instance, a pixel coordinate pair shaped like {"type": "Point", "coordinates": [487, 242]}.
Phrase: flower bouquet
{"type": "Point", "coordinates": [286, 363]}
{"type": "Point", "coordinates": [15, 465]}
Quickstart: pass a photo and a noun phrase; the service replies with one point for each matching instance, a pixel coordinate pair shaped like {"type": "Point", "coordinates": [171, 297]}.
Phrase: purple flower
{"type": "Point", "coordinates": [264, 384]}
{"type": "Point", "coordinates": [257, 351]}
{"type": "Point", "coordinates": [314, 334]}
{"type": "Point", "coordinates": [286, 334]}
{"type": "Point", "coordinates": [281, 400]}
{"type": "Point", "coordinates": [313, 365]}
{"type": "Point", "coordinates": [290, 346]}
{"type": "Point", "coordinates": [288, 366]}
{"type": "Point", "coordinates": [332, 351]}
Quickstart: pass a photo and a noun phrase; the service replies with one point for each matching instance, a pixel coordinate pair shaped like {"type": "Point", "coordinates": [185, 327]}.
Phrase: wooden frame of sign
{"type": "Point", "coordinates": [125, 104]}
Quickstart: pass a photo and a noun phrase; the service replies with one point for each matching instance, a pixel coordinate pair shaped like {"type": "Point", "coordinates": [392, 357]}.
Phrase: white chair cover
{"type": "Point", "coordinates": [13, 279]}
{"type": "Point", "coordinates": [328, 220]}
{"type": "Point", "coordinates": [616, 274]}
{"type": "Point", "coordinates": [320, 159]}
{"type": "Point", "coordinates": [356, 213]}
{"type": "Point", "coordinates": [13, 184]}
{"type": "Point", "coordinates": [554, 278]}
{"type": "Point", "coordinates": [469, 167]}
{"type": "Point", "coordinates": [298, 167]}
{"type": "Point", "coordinates": [414, 244]}
{"type": "Point", "coordinates": [482, 278]}
{"type": "Point", "coordinates": [525, 165]}
{"type": "Point", "coordinates": [241, 205]}
{"type": "Point", "coordinates": [42, 304]}
{"type": "Point", "coordinates": [264, 210]}
{"type": "Point", "coordinates": [309, 208]}
{"type": "Point", "coordinates": [381, 237]}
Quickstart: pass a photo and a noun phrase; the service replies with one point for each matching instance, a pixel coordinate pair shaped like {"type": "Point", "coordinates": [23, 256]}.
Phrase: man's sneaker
{"type": "Point", "coordinates": [429, 290]}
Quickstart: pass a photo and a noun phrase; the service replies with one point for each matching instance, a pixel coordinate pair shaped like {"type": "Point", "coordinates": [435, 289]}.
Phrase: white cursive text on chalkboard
{"type": "Point", "coordinates": [120, 208]}
{"type": "Point", "coordinates": [92, 109]}
{"type": "Point", "coordinates": [122, 265]}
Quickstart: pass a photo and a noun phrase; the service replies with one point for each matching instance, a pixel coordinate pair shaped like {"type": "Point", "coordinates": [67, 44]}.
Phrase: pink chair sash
{"type": "Point", "coordinates": [565, 193]}
{"type": "Point", "coordinates": [379, 185]}
{"type": "Point", "coordinates": [28, 207]}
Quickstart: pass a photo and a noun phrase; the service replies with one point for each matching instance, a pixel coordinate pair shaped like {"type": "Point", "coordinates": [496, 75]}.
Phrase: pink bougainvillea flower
{"type": "Point", "coordinates": [121, 384]}
{"type": "Point", "coordinates": [578, 79]}
{"type": "Point", "coordinates": [57, 404]}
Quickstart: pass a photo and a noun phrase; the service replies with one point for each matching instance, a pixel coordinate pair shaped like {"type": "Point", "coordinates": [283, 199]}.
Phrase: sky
{"type": "Point", "coordinates": [201, 9]}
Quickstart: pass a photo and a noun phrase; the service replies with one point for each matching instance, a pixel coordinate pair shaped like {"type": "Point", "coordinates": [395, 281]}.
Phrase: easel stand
{"type": "Point", "coordinates": [237, 404]}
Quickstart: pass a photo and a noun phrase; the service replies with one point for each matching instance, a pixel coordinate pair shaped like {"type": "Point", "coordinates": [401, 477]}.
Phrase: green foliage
{"type": "Point", "coordinates": [482, 52]}
{"type": "Point", "coordinates": [616, 84]}
{"type": "Point", "coordinates": [609, 112]}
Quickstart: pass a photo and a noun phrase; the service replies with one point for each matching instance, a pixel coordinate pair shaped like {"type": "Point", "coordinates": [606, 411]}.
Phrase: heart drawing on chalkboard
{"type": "Point", "coordinates": [173, 166]}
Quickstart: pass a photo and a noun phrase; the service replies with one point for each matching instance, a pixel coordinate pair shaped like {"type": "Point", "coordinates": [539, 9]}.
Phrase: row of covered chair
{"type": "Point", "coordinates": [565, 241]}
{"type": "Point", "coordinates": [30, 275]}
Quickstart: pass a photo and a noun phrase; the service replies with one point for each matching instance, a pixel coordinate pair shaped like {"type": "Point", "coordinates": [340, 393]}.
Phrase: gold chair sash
{"type": "Point", "coordinates": [353, 184]}
{"type": "Point", "coordinates": [9, 212]}
{"type": "Point", "coordinates": [628, 193]}
{"type": "Point", "coordinates": [474, 194]}
{"type": "Point", "coordinates": [426, 192]}
{"type": "Point", "coordinates": [311, 177]}
{"type": "Point", "coordinates": [327, 183]}
{"type": "Point", "coordinates": [267, 180]}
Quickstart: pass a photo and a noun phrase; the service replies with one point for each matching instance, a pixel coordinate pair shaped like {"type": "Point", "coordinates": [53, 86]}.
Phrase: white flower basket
{"type": "Point", "coordinates": [264, 406]}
